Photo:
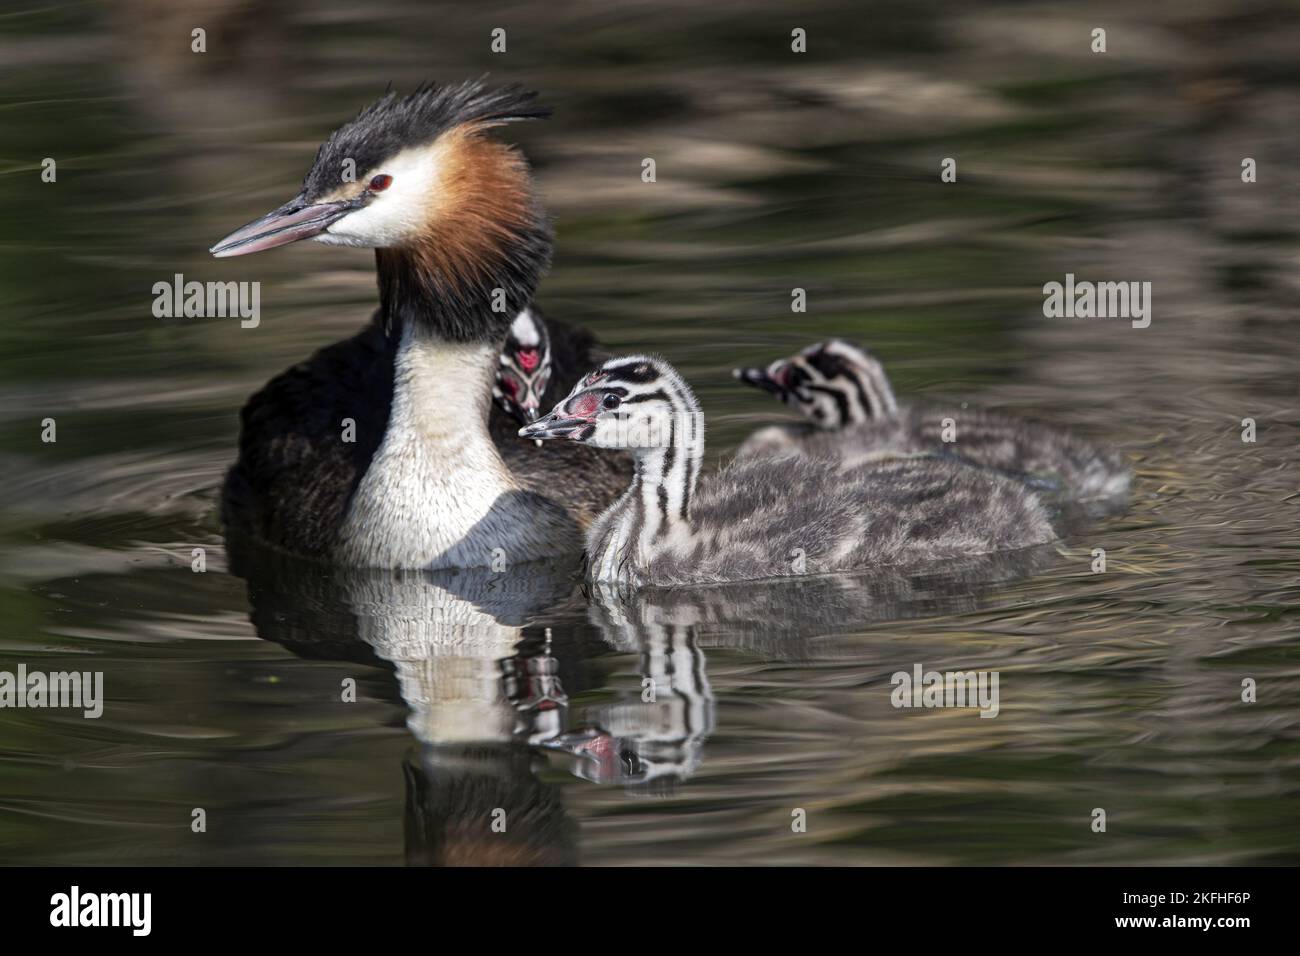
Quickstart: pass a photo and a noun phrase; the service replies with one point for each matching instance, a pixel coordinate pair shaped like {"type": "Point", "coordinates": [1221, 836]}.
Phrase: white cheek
{"type": "Point", "coordinates": [609, 434]}
{"type": "Point", "coordinates": [382, 223]}
{"type": "Point", "coordinates": [396, 215]}
{"type": "Point", "coordinates": [645, 429]}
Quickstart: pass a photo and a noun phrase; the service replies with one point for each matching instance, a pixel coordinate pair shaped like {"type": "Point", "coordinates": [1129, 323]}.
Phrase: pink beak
{"type": "Point", "coordinates": [293, 221]}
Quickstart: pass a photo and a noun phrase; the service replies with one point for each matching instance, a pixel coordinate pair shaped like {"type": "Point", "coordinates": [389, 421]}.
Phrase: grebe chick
{"type": "Point", "coordinates": [768, 517]}
{"type": "Point", "coordinates": [540, 362]}
{"type": "Point", "coordinates": [376, 452]}
{"type": "Point", "coordinates": [852, 415]}
{"type": "Point", "coordinates": [524, 372]}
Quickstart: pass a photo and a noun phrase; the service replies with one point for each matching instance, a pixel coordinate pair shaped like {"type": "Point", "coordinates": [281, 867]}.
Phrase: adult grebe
{"type": "Point", "coordinates": [376, 451]}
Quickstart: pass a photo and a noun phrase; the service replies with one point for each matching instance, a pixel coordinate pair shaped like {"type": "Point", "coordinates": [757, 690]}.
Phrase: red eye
{"type": "Point", "coordinates": [380, 183]}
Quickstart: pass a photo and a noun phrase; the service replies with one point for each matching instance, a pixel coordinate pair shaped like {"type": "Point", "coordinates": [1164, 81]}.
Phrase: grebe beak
{"type": "Point", "coordinates": [554, 426]}
{"type": "Point", "coordinates": [295, 220]}
{"type": "Point", "coordinates": [758, 378]}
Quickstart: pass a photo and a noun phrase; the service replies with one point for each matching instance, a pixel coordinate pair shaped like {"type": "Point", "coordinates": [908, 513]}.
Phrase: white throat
{"type": "Point", "coordinates": [437, 493]}
{"type": "Point", "coordinates": [653, 515]}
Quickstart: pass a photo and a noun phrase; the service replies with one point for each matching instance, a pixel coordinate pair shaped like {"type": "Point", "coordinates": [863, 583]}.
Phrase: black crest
{"type": "Point", "coordinates": [392, 123]}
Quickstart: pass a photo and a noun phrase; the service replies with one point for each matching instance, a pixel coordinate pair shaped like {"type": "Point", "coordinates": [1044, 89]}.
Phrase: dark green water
{"type": "Point", "coordinates": [1119, 690]}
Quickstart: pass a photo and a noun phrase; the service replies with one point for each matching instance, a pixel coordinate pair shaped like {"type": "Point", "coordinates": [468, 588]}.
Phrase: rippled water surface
{"type": "Point", "coordinates": [518, 692]}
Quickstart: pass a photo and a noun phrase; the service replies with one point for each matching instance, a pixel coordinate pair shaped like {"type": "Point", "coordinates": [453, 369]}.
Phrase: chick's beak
{"type": "Point", "coordinates": [530, 414]}
{"type": "Point", "coordinates": [296, 219]}
{"type": "Point", "coordinates": [555, 425]}
{"type": "Point", "coordinates": [760, 378]}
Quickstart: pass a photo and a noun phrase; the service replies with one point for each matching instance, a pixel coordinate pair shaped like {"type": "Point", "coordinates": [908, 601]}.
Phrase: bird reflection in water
{"type": "Point", "coordinates": [485, 693]}
{"type": "Point", "coordinates": [485, 663]}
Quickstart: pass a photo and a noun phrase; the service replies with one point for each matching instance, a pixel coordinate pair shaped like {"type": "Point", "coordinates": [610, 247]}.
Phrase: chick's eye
{"type": "Point", "coordinates": [380, 183]}
{"type": "Point", "coordinates": [612, 402]}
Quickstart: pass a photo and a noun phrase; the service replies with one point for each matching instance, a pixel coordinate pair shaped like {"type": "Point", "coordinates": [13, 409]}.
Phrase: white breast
{"type": "Point", "coordinates": [436, 493]}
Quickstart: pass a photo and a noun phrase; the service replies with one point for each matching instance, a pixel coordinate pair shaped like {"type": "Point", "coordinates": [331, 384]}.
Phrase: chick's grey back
{"type": "Point", "coordinates": [1076, 468]}
{"type": "Point", "coordinates": [775, 517]}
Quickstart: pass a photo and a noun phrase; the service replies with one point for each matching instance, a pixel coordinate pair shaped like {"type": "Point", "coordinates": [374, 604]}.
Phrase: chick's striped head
{"type": "Point", "coordinates": [833, 384]}
{"type": "Point", "coordinates": [637, 402]}
{"type": "Point", "coordinates": [524, 369]}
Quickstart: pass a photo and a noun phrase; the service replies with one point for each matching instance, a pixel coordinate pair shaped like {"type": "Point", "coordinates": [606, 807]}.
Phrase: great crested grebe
{"type": "Point", "coordinates": [376, 451]}
{"type": "Point", "coordinates": [768, 517]}
{"type": "Point", "coordinates": [852, 415]}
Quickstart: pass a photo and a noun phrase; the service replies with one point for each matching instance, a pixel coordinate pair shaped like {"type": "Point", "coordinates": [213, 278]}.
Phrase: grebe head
{"type": "Point", "coordinates": [833, 383]}
{"type": "Point", "coordinates": [461, 240]}
{"type": "Point", "coordinates": [524, 370]}
{"type": "Point", "coordinates": [636, 402]}
{"type": "Point", "coordinates": [407, 168]}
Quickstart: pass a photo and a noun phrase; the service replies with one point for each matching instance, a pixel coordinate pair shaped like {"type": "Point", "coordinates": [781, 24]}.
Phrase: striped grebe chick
{"type": "Point", "coordinates": [540, 362]}
{"type": "Point", "coordinates": [377, 451]}
{"type": "Point", "coordinates": [852, 414]}
{"type": "Point", "coordinates": [524, 371]}
{"type": "Point", "coordinates": [768, 517]}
